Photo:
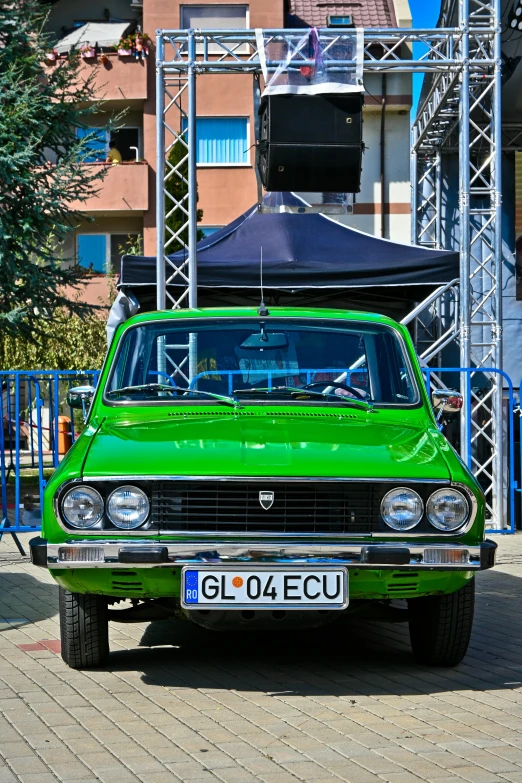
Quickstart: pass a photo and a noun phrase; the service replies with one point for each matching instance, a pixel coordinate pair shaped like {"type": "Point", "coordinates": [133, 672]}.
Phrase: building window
{"type": "Point", "coordinates": [126, 141]}
{"type": "Point", "coordinates": [209, 230]}
{"type": "Point", "coordinates": [215, 17]}
{"type": "Point", "coordinates": [102, 252]}
{"type": "Point", "coordinates": [222, 141]}
{"type": "Point", "coordinates": [92, 252]}
{"type": "Point", "coordinates": [98, 144]}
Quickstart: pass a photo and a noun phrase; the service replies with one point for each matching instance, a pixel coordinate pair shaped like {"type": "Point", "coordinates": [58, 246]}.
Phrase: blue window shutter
{"type": "Point", "coordinates": [221, 140]}
{"type": "Point", "coordinates": [92, 251]}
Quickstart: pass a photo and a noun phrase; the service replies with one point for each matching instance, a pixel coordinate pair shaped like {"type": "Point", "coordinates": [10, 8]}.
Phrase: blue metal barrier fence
{"type": "Point", "coordinates": [476, 434]}
{"type": "Point", "coordinates": [37, 427]}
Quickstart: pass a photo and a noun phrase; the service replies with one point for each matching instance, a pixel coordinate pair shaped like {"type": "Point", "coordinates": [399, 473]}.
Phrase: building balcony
{"type": "Point", "coordinates": [116, 78]}
{"type": "Point", "coordinates": [124, 190]}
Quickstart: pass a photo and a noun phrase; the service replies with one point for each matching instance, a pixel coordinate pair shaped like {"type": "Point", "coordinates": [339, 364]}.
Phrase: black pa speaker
{"type": "Point", "coordinates": [311, 143]}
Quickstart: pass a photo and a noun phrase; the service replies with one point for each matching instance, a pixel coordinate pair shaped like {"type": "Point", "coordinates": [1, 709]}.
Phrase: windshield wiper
{"type": "Point", "coordinates": [293, 391]}
{"type": "Point", "coordinates": [167, 387]}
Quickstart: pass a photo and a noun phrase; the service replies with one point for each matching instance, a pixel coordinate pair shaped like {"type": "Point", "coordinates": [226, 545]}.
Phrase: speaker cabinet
{"type": "Point", "coordinates": [311, 143]}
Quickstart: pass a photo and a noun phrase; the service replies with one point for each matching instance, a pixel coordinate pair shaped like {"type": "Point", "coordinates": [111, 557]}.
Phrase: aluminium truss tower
{"type": "Point", "coordinates": [463, 108]}
{"type": "Point", "coordinates": [460, 119]}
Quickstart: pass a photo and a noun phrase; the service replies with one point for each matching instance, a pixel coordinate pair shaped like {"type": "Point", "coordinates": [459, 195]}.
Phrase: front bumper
{"type": "Point", "coordinates": [147, 554]}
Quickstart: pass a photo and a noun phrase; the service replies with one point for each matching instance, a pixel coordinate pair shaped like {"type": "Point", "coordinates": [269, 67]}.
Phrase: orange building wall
{"type": "Point", "coordinates": [224, 191]}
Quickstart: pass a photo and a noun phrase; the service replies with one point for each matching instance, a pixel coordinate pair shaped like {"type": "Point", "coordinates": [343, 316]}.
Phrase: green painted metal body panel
{"type": "Point", "coordinates": [281, 440]}
{"type": "Point", "coordinates": [166, 582]}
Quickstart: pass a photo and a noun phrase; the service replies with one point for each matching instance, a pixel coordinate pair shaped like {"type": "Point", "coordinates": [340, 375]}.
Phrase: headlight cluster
{"type": "Point", "coordinates": [402, 509]}
{"type": "Point", "coordinates": [127, 507]}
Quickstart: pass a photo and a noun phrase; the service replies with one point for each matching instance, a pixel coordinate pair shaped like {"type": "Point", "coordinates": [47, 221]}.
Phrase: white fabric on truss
{"type": "Point", "coordinates": [310, 64]}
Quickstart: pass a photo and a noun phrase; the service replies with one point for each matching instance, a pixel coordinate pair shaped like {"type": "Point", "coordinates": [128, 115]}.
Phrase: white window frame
{"type": "Point", "coordinates": [248, 163]}
{"type": "Point", "coordinates": [140, 138]}
{"type": "Point", "coordinates": [215, 49]}
{"type": "Point", "coordinates": [216, 228]}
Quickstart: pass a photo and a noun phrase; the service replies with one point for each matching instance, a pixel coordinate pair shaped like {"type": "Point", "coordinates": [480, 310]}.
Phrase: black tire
{"type": "Point", "coordinates": [84, 628]}
{"type": "Point", "coordinates": [440, 626]}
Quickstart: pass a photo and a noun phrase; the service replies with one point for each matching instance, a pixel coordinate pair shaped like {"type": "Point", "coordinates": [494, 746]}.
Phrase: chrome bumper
{"type": "Point", "coordinates": [149, 554]}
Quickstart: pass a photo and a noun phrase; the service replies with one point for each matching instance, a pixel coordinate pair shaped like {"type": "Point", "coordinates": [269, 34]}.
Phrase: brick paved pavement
{"type": "Point", "coordinates": [232, 709]}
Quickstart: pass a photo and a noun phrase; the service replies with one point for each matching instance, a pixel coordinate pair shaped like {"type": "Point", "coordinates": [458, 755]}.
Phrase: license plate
{"type": "Point", "coordinates": [264, 588]}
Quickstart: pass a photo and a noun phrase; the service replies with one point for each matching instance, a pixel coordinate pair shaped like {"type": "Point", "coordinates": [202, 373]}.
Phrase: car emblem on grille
{"type": "Point", "coordinates": [266, 499]}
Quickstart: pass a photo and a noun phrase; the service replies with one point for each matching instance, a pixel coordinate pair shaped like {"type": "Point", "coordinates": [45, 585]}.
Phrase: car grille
{"type": "Point", "coordinates": [335, 507]}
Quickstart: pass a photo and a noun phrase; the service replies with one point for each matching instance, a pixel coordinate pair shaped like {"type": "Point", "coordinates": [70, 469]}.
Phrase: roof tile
{"type": "Point", "coordinates": [365, 13]}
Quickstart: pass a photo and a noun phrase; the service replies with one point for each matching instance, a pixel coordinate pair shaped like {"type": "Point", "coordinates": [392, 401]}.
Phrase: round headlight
{"type": "Point", "coordinates": [447, 509]}
{"type": "Point", "coordinates": [402, 508]}
{"type": "Point", "coordinates": [128, 507]}
{"type": "Point", "coordinates": [82, 507]}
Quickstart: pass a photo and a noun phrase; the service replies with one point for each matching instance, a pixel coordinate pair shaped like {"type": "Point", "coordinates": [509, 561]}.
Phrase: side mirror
{"type": "Point", "coordinates": [80, 397]}
{"type": "Point", "coordinates": [446, 401]}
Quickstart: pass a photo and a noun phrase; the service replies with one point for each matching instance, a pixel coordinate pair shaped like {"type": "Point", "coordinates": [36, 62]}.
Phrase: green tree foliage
{"type": "Point", "coordinates": [41, 171]}
{"type": "Point", "coordinates": [68, 343]}
{"type": "Point", "coordinates": [176, 186]}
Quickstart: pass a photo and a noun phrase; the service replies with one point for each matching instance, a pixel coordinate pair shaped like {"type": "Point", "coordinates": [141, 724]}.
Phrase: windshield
{"type": "Point", "coordinates": [266, 360]}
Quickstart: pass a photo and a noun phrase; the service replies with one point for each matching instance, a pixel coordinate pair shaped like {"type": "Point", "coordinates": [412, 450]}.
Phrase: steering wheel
{"type": "Point", "coordinates": [336, 385]}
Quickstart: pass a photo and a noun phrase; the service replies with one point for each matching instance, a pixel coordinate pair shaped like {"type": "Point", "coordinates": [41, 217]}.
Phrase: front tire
{"type": "Point", "coordinates": [440, 626]}
{"type": "Point", "coordinates": [84, 628]}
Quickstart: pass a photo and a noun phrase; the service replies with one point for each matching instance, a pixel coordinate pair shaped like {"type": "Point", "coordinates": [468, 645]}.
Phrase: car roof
{"type": "Point", "coordinates": [252, 312]}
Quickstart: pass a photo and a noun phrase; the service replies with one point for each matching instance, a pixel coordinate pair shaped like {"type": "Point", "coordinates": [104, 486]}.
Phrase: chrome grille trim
{"type": "Point", "coordinates": [302, 508]}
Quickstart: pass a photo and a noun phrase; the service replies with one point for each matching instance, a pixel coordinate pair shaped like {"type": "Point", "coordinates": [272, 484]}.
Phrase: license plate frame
{"type": "Point", "coordinates": [265, 569]}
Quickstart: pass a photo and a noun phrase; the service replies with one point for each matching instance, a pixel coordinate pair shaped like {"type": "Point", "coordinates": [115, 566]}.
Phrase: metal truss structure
{"type": "Point", "coordinates": [457, 138]}
{"type": "Point", "coordinates": [460, 114]}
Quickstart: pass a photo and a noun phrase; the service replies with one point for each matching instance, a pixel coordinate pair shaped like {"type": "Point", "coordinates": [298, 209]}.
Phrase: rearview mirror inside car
{"type": "Point", "coordinates": [265, 341]}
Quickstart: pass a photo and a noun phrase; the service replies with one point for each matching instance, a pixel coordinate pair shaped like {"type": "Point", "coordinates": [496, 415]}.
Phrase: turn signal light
{"type": "Point", "coordinates": [76, 554]}
{"type": "Point", "coordinates": [446, 556]}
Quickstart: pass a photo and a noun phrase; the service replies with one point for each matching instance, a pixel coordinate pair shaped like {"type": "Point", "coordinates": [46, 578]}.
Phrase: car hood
{"type": "Point", "coordinates": [269, 443]}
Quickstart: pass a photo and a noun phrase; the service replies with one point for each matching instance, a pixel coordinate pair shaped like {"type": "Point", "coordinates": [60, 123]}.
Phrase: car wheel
{"type": "Point", "coordinates": [84, 628]}
{"type": "Point", "coordinates": [440, 626]}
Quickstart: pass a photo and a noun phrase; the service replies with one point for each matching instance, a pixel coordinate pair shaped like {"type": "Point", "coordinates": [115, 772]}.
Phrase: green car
{"type": "Point", "coordinates": [273, 470]}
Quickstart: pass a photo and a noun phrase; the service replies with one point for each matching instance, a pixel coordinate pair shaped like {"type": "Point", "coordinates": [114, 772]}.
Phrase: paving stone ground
{"type": "Point", "coordinates": [203, 706]}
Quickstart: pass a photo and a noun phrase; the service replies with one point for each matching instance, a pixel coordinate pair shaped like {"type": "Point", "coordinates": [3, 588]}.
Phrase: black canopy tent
{"type": "Point", "coordinates": [308, 260]}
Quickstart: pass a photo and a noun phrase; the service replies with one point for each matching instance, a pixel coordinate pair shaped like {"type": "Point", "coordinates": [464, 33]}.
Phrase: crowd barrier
{"type": "Point", "coordinates": [38, 427]}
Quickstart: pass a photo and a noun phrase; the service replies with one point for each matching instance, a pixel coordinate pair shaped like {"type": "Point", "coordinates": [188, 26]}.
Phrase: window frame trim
{"type": "Point", "coordinates": [244, 165]}
{"type": "Point", "coordinates": [105, 379]}
{"type": "Point", "coordinates": [220, 50]}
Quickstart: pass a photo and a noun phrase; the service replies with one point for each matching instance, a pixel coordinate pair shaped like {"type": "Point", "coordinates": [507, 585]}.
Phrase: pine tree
{"type": "Point", "coordinates": [41, 171]}
{"type": "Point", "coordinates": [176, 186]}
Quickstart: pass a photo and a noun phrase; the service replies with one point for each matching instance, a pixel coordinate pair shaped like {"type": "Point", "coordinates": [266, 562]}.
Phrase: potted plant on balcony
{"type": "Point", "coordinates": [87, 51]}
{"type": "Point", "coordinates": [136, 44]}
{"type": "Point", "coordinates": [52, 56]}
{"type": "Point", "coordinates": [125, 47]}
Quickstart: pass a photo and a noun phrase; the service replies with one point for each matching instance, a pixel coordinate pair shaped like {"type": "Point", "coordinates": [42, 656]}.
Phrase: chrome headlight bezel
{"type": "Point", "coordinates": [95, 496]}
{"type": "Point", "coordinates": [386, 516]}
{"type": "Point", "coordinates": [111, 512]}
{"type": "Point", "coordinates": [431, 514]}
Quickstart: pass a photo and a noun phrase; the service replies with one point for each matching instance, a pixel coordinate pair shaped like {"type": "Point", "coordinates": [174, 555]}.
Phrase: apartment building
{"type": "Point", "coordinates": [123, 213]}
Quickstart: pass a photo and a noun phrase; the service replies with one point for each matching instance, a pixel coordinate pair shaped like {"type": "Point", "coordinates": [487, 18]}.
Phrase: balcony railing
{"type": "Point", "coordinates": [124, 189]}
{"type": "Point", "coordinates": [116, 78]}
